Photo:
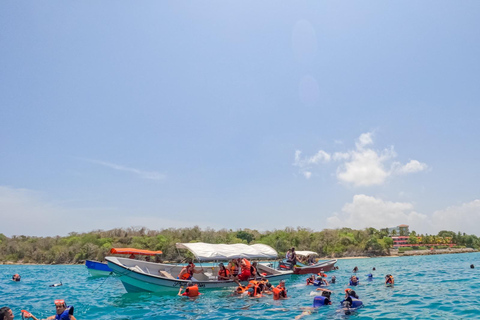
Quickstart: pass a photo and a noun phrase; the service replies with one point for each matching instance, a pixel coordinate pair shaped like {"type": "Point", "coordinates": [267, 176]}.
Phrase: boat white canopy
{"type": "Point", "coordinates": [306, 253]}
{"type": "Point", "coordinates": [222, 252]}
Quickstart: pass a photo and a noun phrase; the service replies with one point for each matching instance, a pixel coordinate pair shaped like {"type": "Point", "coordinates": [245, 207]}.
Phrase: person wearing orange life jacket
{"type": "Point", "coordinates": [223, 273]}
{"type": "Point", "coordinates": [233, 267]}
{"type": "Point", "coordinates": [245, 267]}
{"type": "Point", "coordinates": [241, 290]}
{"type": "Point", "coordinates": [16, 277]}
{"type": "Point", "coordinates": [255, 290]}
{"type": "Point", "coordinates": [254, 271]}
{"type": "Point", "coordinates": [280, 292]}
{"type": "Point", "coordinates": [389, 280]}
{"type": "Point", "coordinates": [187, 271]}
{"type": "Point", "coordinates": [191, 291]}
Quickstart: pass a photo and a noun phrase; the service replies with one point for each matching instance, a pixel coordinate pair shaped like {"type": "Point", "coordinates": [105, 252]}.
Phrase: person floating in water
{"type": "Point", "coordinates": [6, 313]}
{"type": "Point", "coordinates": [333, 279]}
{"type": "Point", "coordinates": [472, 266]}
{"type": "Point", "coordinates": [370, 276]}
{"type": "Point", "coordinates": [389, 281]}
{"type": "Point", "coordinates": [351, 301]}
{"type": "Point", "coordinates": [16, 277]}
{"type": "Point", "coordinates": [355, 269]}
{"type": "Point", "coordinates": [311, 280]}
{"type": "Point", "coordinates": [354, 281]}
{"type": "Point", "coordinates": [62, 312]}
{"type": "Point", "coordinates": [280, 292]}
{"type": "Point", "coordinates": [191, 291]}
{"type": "Point", "coordinates": [374, 269]}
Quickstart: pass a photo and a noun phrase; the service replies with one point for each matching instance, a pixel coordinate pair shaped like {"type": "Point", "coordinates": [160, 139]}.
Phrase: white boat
{"type": "Point", "coordinates": [138, 276]}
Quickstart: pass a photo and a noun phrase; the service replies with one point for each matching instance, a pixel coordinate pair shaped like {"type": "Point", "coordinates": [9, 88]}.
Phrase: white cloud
{"type": "Point", "coordinates": [464, 218]}
{"type": "Point", "coordinates": [366, 211]}
{"type": "Point", "coordinates": [27, 212]}
{"type": "Point", "coordinates": [307, 174]}
{"type": "Point", "coordinates": [411, 167]}
{"type": "Point", "coordinates": [151, 175]}
{"type": "Point", "coordinates": [362, 166]}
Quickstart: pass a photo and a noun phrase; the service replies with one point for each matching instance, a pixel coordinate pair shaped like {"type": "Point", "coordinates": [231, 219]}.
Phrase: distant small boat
{"type": "Point", "coordinates": [97, 269]}
{"type": "Point", "coordinates": [100, 269]}
{"type": "Point", "coordinates": [301, 268]}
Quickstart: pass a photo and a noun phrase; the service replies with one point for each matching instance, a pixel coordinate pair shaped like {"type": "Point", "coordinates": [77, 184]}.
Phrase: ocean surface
{"type": "Point", "coordinates": [426, 287]}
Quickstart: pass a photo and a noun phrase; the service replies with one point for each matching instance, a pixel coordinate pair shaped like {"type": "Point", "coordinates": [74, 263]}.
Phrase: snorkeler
{"type": "Point", "coordinates": [389, 281]}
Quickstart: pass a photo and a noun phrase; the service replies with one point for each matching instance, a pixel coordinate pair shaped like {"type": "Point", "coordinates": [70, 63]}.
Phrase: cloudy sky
{"type": "Point", "coordinates": [239, 114]}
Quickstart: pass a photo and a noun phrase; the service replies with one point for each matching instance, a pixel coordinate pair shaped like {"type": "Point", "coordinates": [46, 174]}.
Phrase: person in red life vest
{"type": "Point", "coordinates": [187, 271]}
{"type": "Point", "coordinates": [62, 312]}
{"type": "Point", "coordinates": [223, 273]}
{"type": "Point", "coordinates": [191, 291]}
{"type": "Point", "coordinates": [245, 274]}
{"type": "Point", "coordinates": [280, 292]}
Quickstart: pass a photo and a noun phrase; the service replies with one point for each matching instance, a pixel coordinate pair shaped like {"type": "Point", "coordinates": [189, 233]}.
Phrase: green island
{"type": "Point", "coordinates": [329, 243]}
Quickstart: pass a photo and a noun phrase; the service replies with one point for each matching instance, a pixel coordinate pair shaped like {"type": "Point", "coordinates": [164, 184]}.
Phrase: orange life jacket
{"type": "Point", "coordinates": [279, 292]}
{"type": "Point", "coordinates": [233, 269]}
{"type": "Point", "coordinates": [192, 291]}
{"type": "Point", "coordinates": [187, 275]}
{"type": "Point", "coordinates": [245, 265]}
{"type": "Point", "coordinates": [223, 273]}
{"type": "Point", "coordinates": [254, 292]}
{"type": "Point", "coordinates": [241, 289]}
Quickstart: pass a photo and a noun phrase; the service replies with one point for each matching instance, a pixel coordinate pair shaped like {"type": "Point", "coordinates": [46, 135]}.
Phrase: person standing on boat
{"type": "Point", "coordinates": [6, 313]}
{"type": "Point", "coordinates": [293, 257]}
{"type": "Point", "coordinates": [287, 255]}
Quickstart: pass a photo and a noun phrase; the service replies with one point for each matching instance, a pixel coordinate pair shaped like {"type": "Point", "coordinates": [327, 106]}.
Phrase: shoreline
{"type": "Point", "coordinates": [394, 255]}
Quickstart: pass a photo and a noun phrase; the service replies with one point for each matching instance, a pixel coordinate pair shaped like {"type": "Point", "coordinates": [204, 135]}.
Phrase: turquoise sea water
{"type": "Point", "coordinates": [426, 287]}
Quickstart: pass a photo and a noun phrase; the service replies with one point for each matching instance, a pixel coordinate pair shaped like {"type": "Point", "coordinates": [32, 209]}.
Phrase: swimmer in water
{"type": "Point", "coordinates": [389, 281]}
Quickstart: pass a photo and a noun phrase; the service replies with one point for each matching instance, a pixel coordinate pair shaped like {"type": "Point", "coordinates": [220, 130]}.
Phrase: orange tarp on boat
{"type": "Point", "coordinates": [134, 251]}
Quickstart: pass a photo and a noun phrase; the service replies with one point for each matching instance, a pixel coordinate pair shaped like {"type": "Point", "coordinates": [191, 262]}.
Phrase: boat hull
{"type": "Point", "coordinates": [145, 277]}
{"type": "Point", "coordinates": [97, 269]}
{"type": "Point", "coordinates": [316, 268]}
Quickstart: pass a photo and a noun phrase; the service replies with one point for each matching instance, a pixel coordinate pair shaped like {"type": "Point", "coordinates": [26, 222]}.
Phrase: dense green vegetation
{"type": "Point", "coordinates": [95, 245]}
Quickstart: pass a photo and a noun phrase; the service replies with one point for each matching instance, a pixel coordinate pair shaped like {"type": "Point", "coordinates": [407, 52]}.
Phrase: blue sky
{"type": "Point", "coordinates": [239, 114]}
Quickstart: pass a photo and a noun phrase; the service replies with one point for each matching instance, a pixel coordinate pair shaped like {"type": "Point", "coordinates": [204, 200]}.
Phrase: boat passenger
{"type": "Point", "coordinates": [280, 292]}
{"type": "Point", "coordinates": [245, 266]}
{"type": "Point", "coordinates": [191, 291]}
{"type": "Point", "coordinates": [287, 255]}
{"type": "Point", "coordinates": [254, 271]}
{"type": "Point", "coordinates": [389, 280]}
{"type": "Point", "coordinates": [62, 312]}
{"type": "Point", "coordinates": [311, 260]}
{"type": "Point", "coordinates": [223, 273]}
{"type": "Point", "coordinates": [187, 271]}
{"type": "Point", "coordinates": [293, 257]}
{"type": "Point", "coordinates": [233, 267]}
{"type": "Point", "coordinates": [16, 277]}
{"type": "Point", "coordinates": [6, 313]}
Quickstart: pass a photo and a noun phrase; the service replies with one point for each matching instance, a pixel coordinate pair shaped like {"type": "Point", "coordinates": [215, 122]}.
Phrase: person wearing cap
{"type": "Point", "coordinates": [62, 312]}
{"type": "Point", "coordinates": [6, 313]}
